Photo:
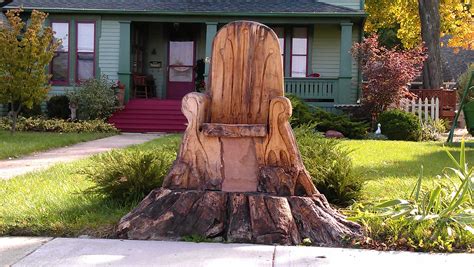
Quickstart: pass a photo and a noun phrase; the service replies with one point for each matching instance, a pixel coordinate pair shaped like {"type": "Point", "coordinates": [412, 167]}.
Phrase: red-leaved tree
{"type": "Point", "coordinates": [386, 73]}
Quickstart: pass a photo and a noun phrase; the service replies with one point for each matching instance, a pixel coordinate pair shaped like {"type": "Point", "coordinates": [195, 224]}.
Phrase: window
{"type": "Point", "coordinates": [85, 57]}
{"type": "Point", "coordinates": [280, 32]}
{"type": "Point", "coordinates": [299, 52]}
{"type": "Point", "coordinates": [60, 63]}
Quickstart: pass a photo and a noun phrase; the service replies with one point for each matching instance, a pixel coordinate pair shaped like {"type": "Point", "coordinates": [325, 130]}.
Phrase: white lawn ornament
{"type": "Point", "coordinates": [379, 129]}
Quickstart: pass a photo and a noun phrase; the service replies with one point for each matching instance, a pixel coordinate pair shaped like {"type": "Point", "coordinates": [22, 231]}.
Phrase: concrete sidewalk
{"type": "Point", "coordinates": [22, 251]}
{"type": "Point", "coordinates": [42, 160]}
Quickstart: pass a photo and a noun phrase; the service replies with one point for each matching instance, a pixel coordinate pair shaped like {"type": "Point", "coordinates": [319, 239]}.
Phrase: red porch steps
{"type": "Point", "coordinates": [150, 115]}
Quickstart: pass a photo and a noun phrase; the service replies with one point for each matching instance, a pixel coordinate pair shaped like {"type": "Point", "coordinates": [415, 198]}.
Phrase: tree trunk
{"type": "Point", "coordinates": [430, 33]}
{"type": "Point", "coordinates": [14, 115]}
{"type": "Point", "coordinates": [239, 176]}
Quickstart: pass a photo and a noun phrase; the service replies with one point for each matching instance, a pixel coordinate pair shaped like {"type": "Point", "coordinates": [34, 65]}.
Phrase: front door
{"type": "Point", "coordinates": [180, 69]}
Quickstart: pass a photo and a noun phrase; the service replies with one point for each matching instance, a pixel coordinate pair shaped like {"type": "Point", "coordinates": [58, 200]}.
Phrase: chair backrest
{"type": "Point", "coordinates": [139, 80]}
{"type": "Point", "coordinates": [246, 73]}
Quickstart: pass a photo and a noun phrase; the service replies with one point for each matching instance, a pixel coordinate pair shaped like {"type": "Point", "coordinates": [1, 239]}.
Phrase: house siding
{"type": "Point", "coordinates": [326, 54]}
{"type": "Point", "coordinates": [326, 50]}
{"type": "Point", "coordinates": [354, 4]}
{"type": "Point", "coordinates": [109, 44]}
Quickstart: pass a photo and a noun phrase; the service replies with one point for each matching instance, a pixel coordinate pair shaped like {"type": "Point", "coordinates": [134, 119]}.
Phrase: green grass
{"type": "Point", "coordinates": [52, 202]}
{"type": "Point", "coordinates": [392, 167]}
{"type": "Point", "coordinates": [23, 143]}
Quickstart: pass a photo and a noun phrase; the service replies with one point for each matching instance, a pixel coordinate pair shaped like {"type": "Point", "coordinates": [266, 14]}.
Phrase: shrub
{"type": "Point", "coordinates": [400, 125]}
{"type": "Point", "coordinates": [302, 112]}
{"type": "Point", "coordinates": [431, 130]}
{"type": "Point", "coordinates": [57, 107]}
{"type": "Point", "coordinates": [341, 123]}
{"type": "Point", "coordinates": [323, 121]}
{"type": "Point", "coordinates": [440, 218]}
{"type": "Point", "coordinates": [329, 165]}
{"type": "Point", "coordinates": [34, 111]}
{"type": "Point", "coordinates": [58, 125]}
{"type": "Point", "coordinates": [374, 136]}
{"type": "Point", "coordinates": [96, 99]}
{"type": "Point", "coordinates": [128, 175]}
{"type": "Point", "coordinates": [387, 72]}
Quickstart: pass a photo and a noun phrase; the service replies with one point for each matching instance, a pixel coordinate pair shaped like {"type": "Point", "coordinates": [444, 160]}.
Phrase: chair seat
{"type": "Point", "coordinates": [234, 130]}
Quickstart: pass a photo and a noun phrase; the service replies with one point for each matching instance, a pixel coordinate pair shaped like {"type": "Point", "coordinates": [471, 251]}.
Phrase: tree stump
{"type": "Point", "coordinates": [239, 175]}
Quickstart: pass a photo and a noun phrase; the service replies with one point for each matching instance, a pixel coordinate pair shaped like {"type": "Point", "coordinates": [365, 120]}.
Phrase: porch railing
{"type": "Point", "coordinates": [323, 90]}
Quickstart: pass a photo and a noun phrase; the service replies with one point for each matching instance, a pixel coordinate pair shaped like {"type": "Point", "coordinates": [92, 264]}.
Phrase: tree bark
{"type": "Point", "coordinates": [430, 33]}
{"type": "Point", "coordinates": [239, 175]}
{"type": "Point", "coordinates": [14, 115]}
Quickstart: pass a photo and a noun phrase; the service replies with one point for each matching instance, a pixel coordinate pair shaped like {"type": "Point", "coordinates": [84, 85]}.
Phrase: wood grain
{"type": "Point", "coordinates": [239, 175]}
{"type": "Point", "coordinates": [234, 130]}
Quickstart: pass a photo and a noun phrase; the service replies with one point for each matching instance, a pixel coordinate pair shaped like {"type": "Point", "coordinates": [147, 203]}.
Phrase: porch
{"type": "Point", "coordinates": [175, 58]}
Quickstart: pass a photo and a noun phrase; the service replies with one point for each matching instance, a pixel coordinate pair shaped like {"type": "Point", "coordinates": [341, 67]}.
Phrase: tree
{"type": "Point", "coordinates": [25, 51]}
{"type": "Point", "coordinates": [387, 72]}
{"type": "Point", "coordinates": [418, 21]}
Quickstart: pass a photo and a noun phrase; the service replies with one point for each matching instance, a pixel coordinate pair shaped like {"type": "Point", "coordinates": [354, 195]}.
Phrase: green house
{"type": "Point", "coordinates": [166, 45]}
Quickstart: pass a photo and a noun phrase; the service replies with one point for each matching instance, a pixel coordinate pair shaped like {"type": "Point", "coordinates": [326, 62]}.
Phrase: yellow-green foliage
{"type": "Point", "coordinates": [25, 51]}
{"type": "Point", "coordinates": [456, 20]}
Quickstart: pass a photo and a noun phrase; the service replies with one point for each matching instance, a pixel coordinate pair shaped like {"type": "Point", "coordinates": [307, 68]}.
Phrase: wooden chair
{"type": "Point", "coordinates": [238, 174]}
{"type": "Point", "coordinates": [238, 136]}
{"type": "Point", "coordinates": [140, 86]}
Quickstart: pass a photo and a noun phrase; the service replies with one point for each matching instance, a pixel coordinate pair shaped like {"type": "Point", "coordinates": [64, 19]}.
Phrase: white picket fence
{"type": "Point", "coordinates": [427, 109]}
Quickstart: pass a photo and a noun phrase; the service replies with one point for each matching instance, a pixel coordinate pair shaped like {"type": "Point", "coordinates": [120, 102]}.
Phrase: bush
{"type": "Point", "coordinates": [34, 111]}
{"type": "Point", "coordinates": [57, 107]}
{"type": "Point", "coordinates": [304, 114]}
{"type": "Point", "coordinates": [431, 130]}
{"type": "Point", "coordinates": [400, 125]}
{"type": "Point", "coordinates": [128, 176]}
{"type": "Point", "coordinates": [374, 136]}
{"type": "Point", "coordinates": [329, 165]}
{"type": "Point", "coordinates": [329, 121]}
{"type": "Point", "coordinates": [95, 98]}
{"type": "Point", "coordinates": [386, 72]}
{"type": "Point", "coordinates": [58, 125]}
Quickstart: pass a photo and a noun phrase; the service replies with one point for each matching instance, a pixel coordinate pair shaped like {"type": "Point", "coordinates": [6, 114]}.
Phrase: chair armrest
{"type": "Point", "coordinates": [195, 107]}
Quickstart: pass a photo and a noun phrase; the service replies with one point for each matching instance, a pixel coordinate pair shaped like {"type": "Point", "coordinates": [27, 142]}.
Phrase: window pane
{"type": "Point", "coordinates": [85, 66]}
{"type": "Point", "coordinates": [181, 53]}
{"type": "Point", "coordinates": [280, 32]}
{"type": "Point", "coordinates": [60, 67]}
{"type": "Point", "coordinates": [300, 41]}
{"type": "Point", "coordinates": [85, 37]}
{"type": "Point", "coordinates": [61, 32]}
{"type": "Point", "coordinates": [298, 66]}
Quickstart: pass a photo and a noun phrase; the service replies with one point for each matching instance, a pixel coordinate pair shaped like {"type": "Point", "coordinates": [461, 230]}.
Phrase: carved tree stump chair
{"type": "Point", "coordinates": [239, 175]}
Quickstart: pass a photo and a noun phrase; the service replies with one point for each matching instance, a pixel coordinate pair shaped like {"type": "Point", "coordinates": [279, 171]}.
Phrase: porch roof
{"type": "Point", "coordinates": [197, 7]}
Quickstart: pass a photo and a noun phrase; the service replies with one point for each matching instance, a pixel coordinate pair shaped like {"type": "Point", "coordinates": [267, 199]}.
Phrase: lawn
{"type": "Point", "coordinates": [392, 167]}
{"type": "Point", "coordinates": [52, 202]}
{"type": "Point", "coordinates": [22, 143]}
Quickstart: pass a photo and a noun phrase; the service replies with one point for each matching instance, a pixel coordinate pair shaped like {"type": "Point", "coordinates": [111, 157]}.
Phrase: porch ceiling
{"type": "Point", "coordinates": [205, 7]}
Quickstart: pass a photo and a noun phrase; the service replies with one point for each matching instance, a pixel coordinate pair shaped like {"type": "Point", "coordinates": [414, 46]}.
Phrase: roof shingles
{"type": "Point", "coordinates": [189, 6]}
